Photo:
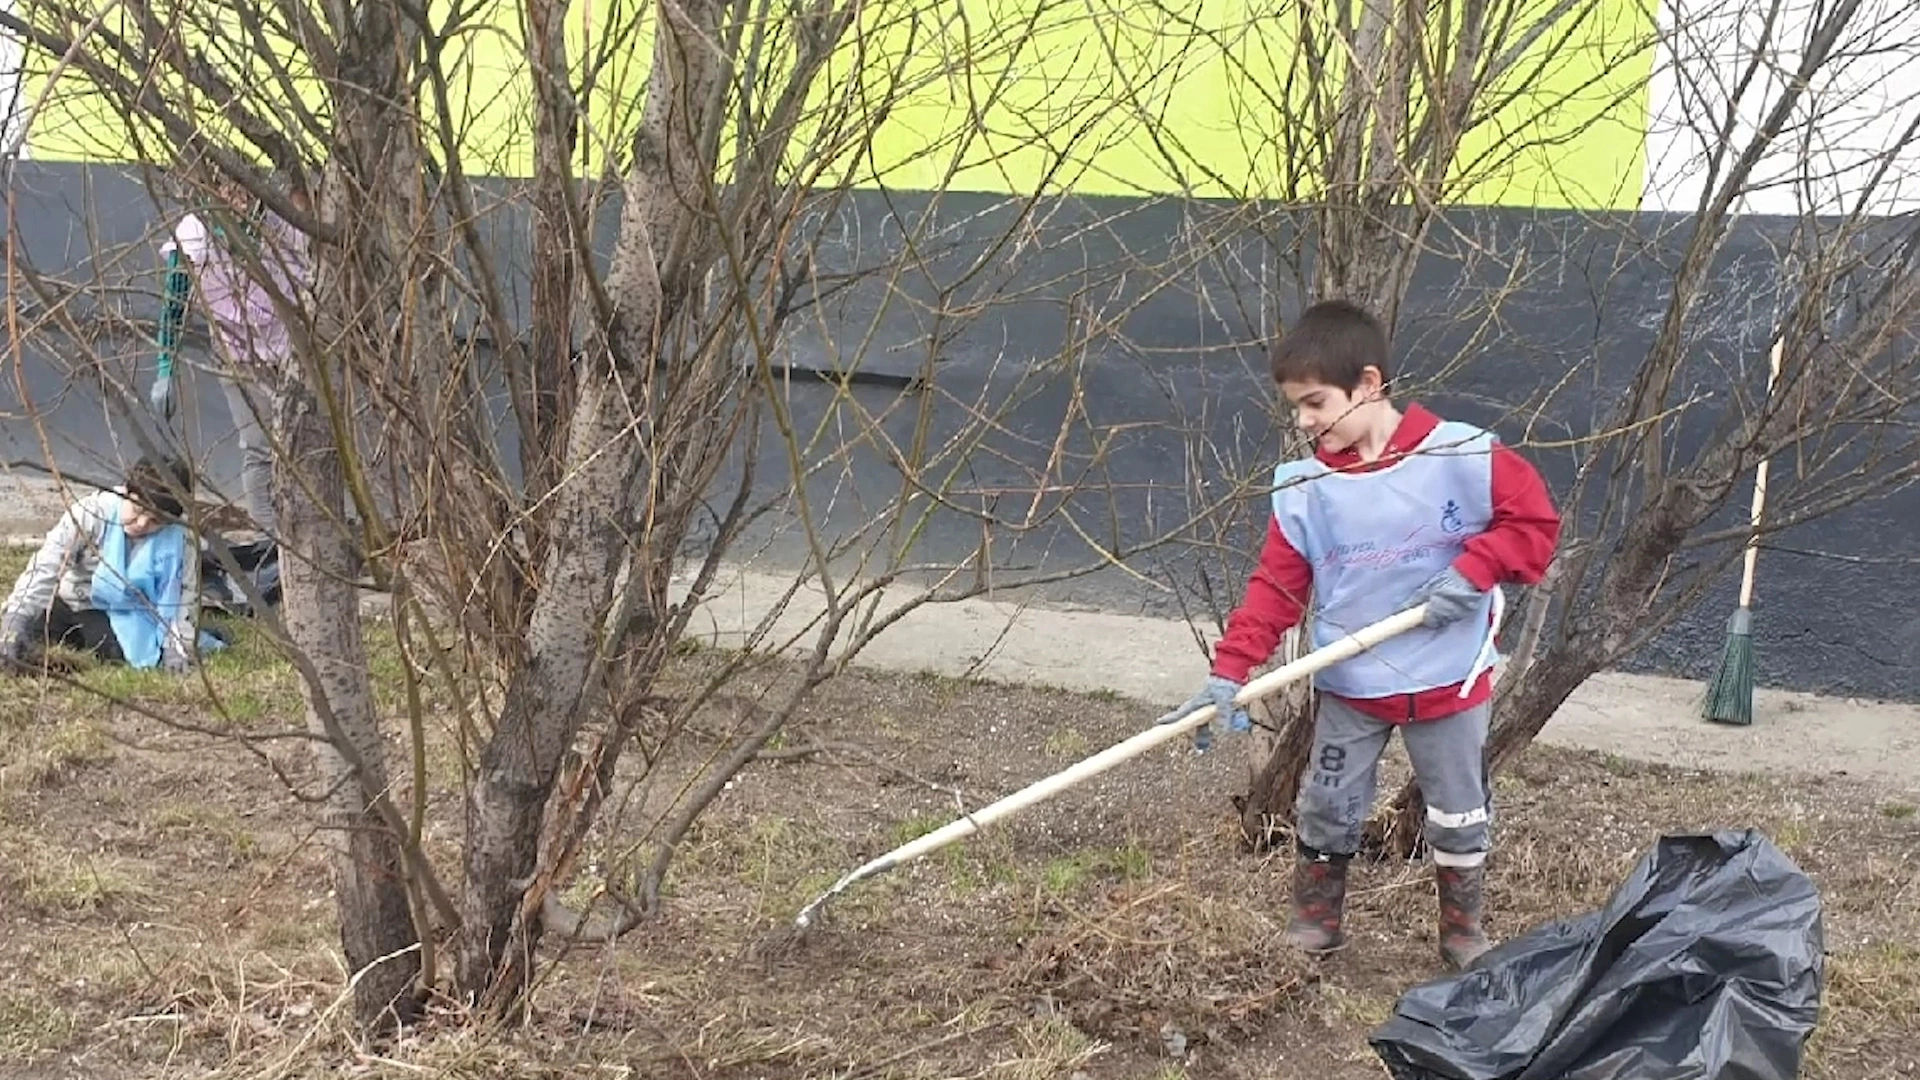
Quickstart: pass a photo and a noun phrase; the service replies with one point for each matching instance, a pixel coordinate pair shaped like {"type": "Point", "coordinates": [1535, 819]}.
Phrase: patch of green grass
{"type": "Point", "coordinates": [960, 860]}
{"type": "Point", "coordinates": [964, 875]}
{"type": "Point", "coordinates": [31, 1025]}
{"type": "Point", "coordinates": [122, 683]}
{"type": "Point", "coordinates": [245, 684]}
{"type": "Point", "coordinates": [1048, 1047]}
{"type": "Point", "coordinates": [915, 827]}
{"type": "Point", "coordinates": [200, 819]}
{"type": "Point", "coordinates": [1791, 835]}
{"type": "Point", "coordinates": [386, 666]}
{"type": "Point", "coordinates": [57, 883]}
{"type": "Point", "coordinates": [249, 684]}
{"type": "Point", "coordinates": [1067, 743]}
{"type": "Point", "coordinates": [1130, 862]}
{"type": "Point", "coordinates": [1064, 875]}
{"type": "Point", "coordinates": [54, 754]}
{"type": "Point", "coordinates": [1897, 811]}
{"type": "Point", "coordinates": [244, 708]}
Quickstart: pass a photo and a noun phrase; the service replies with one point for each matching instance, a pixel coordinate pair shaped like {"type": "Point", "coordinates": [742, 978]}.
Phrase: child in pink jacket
{"type": "Point", "coordinates": [244, 263]}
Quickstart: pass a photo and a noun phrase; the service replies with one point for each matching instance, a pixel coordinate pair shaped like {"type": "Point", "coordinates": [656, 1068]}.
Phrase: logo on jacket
{"type": "Point", "coordinates": [1450, 517]}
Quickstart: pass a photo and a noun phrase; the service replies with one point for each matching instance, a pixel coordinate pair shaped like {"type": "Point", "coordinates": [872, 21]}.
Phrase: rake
{"type": "Point", "coordinates": [1265, 686]}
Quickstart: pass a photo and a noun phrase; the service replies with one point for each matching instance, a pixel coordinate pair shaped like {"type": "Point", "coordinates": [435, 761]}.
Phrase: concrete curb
{"type": "Point", "coordinates": [1159, 663]}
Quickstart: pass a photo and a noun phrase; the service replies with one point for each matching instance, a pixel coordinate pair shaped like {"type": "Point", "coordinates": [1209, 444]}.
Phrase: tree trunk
{"type": "Point", "coordinates": [1518, 718]}
{"type": "Point", "coordinates": [1365, 251]}
{"type": "Point", "coordinates": [542, 379]}
{"type": "Point", "coordinates": [665, 234]}
{"type": "Point", "coordinates": [501, 922]}
{"type": "Point", "coordinates": [1266, 810]}
{"type": "Point", "coordinates": [1552, 681]}
{"type": "Point", "coordinates": [322, 614]}
{"type": "Point", "coordinates": [1399, 832]}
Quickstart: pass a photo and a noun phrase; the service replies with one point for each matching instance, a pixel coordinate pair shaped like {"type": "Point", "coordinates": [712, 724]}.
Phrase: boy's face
{"type": "Point", "coordinates": [139, 520]}
{"type": "Point", "coordinates": [1335, 419]}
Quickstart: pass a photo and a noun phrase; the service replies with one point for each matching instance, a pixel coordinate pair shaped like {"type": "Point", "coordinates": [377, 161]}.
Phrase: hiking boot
{"type": "Point", "coordinates": [1462, 899]}
{"type": "Point", "coordinates": [1319, 901]}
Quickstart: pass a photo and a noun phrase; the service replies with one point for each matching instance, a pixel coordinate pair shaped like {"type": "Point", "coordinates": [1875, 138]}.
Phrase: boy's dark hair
{"type": "Point", "coordinates": [1331, 342]}
{"type": "Point", "coordinates": [161, 484]}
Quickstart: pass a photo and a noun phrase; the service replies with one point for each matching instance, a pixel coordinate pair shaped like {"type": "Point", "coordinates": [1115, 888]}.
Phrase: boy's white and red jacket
{"type": "Point", "coordinates": [1515, 548]}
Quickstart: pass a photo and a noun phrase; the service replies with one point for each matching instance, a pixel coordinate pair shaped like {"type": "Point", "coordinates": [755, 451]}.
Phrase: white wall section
{"type": "Point", "coordinates": [1724, 62]}
{"type": "Point", "coordinates": [13, 85]}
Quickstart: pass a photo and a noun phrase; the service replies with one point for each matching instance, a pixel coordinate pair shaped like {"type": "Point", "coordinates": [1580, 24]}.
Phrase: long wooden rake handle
{"type": "Point", "coordinates": [1264, 686]}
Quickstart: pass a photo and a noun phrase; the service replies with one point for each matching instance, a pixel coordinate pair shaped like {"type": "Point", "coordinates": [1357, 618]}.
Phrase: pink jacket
{"type": "Point", "coordinates": [246, 327]}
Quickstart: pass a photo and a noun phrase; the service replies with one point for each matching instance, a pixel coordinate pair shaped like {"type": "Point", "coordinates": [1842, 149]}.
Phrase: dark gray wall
{"type": "Point", "coordinates": [1181, 359]}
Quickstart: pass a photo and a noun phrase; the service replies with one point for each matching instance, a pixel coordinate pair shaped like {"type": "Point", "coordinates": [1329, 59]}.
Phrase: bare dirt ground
{"type": "Point", "coordinates": [164, 907]}
{"type": "Point", "coordinates": [166, 910]}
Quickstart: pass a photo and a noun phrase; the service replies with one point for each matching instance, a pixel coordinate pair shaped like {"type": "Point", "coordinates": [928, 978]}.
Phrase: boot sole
{"type": "Point", "coordinates": [1463, 961]}
{"type": "Point", "coordinates": [1315, 947]}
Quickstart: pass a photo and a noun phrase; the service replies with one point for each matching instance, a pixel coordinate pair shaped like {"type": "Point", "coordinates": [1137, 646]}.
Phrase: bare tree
{"type": "Point", "coordinates": [1384, 117]}
{"type": "Point", "coordinates": [655, 385]}
{"type": "Point", "coordinates": [653, 391]}
{"type": "Point", "coordinates": [1846, 293]}
{"type": "Point", "coordinates": [1405, 132]}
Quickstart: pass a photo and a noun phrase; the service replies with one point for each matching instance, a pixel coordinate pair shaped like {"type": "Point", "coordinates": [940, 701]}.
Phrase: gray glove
{"type": "Point", "coordinates": [1449, 597]}
{"type": "Point", "coordinates": [160, 397]}
{"type": "Point", "coordinates": [1219, 693]}
{"type": "Point", "coordinates": [175, 662]}
{"type": "Point", "coordinates": [13, 638]}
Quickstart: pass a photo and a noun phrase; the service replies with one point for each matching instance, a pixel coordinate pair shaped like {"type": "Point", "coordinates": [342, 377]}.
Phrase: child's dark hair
{"type": "Point", "coordinates": [161, 484]}
{"type": "Point", "coordinates": [1332, 342]}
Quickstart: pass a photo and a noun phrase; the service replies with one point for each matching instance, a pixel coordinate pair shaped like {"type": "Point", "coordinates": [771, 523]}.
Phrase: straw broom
{"type": "Point", "coordinates": [1730, 695]}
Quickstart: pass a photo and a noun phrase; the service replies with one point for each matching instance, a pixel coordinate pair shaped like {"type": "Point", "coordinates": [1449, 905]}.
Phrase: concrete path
{"type": "Point", "coordinates": [1160, 663]}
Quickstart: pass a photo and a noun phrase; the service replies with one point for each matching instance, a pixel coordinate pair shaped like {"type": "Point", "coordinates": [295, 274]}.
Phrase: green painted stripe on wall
{"type": "Point", "coordinates": [1204, 98]}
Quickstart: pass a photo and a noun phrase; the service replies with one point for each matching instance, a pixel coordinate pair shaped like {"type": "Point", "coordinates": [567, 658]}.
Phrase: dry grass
{"type": "Point", "coordinates": [166, 910]}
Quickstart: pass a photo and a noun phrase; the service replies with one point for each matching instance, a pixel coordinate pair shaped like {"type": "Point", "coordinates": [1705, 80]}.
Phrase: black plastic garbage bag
{"type": "Point", "coordinates": [1707, 964]}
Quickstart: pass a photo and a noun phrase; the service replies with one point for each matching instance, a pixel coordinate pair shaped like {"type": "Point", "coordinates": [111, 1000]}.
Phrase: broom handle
{"type": "Point", "coordinates": [1759, 491]}
{"type": "Point", "coordinates": [1359, 641]}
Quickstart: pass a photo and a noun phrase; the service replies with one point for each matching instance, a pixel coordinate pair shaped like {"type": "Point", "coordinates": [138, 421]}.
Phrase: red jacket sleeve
{"type": "Point", "coordinates": [1525, 530]}
{"type": "Point", "coordinates": [1276, 598]}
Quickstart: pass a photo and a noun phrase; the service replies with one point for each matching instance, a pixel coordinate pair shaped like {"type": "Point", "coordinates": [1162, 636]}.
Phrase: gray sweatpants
{"type": "Point", "coordinates": [1448, 757]}
{"type": "Point", "coordinates": [250, 401]}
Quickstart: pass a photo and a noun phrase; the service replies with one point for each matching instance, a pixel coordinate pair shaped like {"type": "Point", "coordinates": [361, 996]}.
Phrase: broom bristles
{"type": "Point", "coordinates": [1730, 695]}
